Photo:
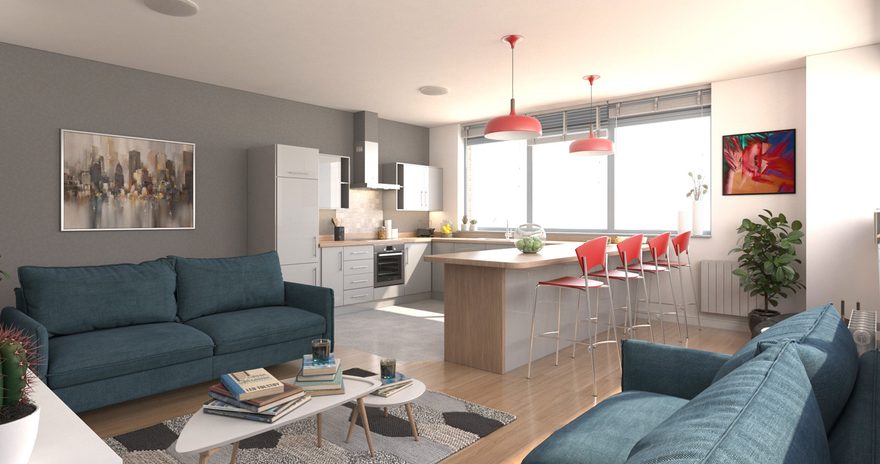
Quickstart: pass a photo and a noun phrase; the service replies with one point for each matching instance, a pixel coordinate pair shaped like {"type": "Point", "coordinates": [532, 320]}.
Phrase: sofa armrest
{"type": "Point", "coordinates": [670, 370]}
{"type": "Point", "coordinates": [12, 317]}
{"type": "Point", "coordinates": [318, 300]}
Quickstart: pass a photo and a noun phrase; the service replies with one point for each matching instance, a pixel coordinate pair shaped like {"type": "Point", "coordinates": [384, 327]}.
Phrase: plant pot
{"type": "Point", "coordinates": [757, 316]}
{"type": "Point", "coordinates": [474, 228]}
{"type": "Point", "coordinates": [699, 220]}
{"type": "Point", "coordinates": [17, 438]}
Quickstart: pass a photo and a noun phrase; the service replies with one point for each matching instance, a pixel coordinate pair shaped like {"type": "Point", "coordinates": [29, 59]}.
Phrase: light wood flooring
{"type": "Point", "coordinates": [554, 396]}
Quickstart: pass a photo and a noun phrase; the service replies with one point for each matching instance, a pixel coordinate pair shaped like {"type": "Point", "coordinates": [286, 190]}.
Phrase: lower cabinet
{"type": "Point", "coordinates": [300, 273]}
{"type": "Point", "coordinates": [417, 272]}
{"type": "Point", "coordinates": [436, 268]}
{"type": "Point", "coordinates": [331, 271]}
{"type": "Point", "coordinates": [360, 295]}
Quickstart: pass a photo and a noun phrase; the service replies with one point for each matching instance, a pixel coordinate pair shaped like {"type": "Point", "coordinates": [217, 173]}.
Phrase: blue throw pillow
{"type": "Point", "coordinates": [826, 349]}
{"type": "Point", "coordinates": [216, 285]}
{"type": "Point", "coordinates": [69, 300]}
{"type": "Point", "coordinates": [764, 412]}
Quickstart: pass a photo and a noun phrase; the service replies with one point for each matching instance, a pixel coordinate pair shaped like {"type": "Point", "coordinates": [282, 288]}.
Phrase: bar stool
{"type": "Point", "coordinates": [590, 255]}
{"type": "Point", "coordinates": [680, 246]}
{"type": "Point", "coordinates": [628, 250]}
{"type": "Point", "coordinates": [658, 265]}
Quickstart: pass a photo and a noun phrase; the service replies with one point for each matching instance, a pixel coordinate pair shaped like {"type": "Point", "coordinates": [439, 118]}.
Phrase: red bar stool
{"type": "Point", "coordinates": [590, 255]}
{"type": "Point", "coordinates": [657, 266]}
{"type": "Point", "coordinates": [629, 250]}
{"type": "Point", "coordinates": [680, 246]}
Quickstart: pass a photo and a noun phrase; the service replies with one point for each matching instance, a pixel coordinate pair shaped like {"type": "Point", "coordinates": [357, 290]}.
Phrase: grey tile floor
{"type": "Point", "coordinates": [407, 332]}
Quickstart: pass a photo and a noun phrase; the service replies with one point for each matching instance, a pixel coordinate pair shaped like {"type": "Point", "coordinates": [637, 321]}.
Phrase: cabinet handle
{"type": "Point", "coordinates": [359, 267]}
{"type": "Point", "coordinates": [358, 252]}
{"type": "Point", "coordinates": [340, 260]}
{"type": "Point", "coordinates": [315, 247]}
{"type": "Point", "coordinates": [314, 276]}
{"type": "Point", "coordinates": [406, 254]}
{"type": "Point", "coordinates": [299, 173]}
{"type": "Point", "coordinates": [358, 296]}
{"type": "Point", "coordinates": [358, 281]}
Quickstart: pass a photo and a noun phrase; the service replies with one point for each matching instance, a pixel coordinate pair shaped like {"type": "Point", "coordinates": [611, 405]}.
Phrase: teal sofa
{"type": "Point", "coordinates": [108, 334]}
{"type": "Point", "coordinates": [798, 393]}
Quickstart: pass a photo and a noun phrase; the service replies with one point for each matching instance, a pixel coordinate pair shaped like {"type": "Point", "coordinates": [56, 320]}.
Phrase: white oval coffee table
{"type": "Point", "coordinates": [404, 397]}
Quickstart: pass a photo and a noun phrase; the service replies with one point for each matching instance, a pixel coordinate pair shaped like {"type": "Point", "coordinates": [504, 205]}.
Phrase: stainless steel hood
{"type": "Point", "coordinates": [365, 172]}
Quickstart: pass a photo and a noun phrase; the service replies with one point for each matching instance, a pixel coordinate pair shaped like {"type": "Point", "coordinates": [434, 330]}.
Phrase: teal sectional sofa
{"type": "Point", "coordinates": [798, 393]}
{"type": "Point", "coordinates": [113, 333]}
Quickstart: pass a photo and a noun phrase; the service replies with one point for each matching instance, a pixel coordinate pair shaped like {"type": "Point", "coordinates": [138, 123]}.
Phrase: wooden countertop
{"type": "Point", "coordinates": [486, 241]}
{"type": "Point", "coordinates": [511, 258]}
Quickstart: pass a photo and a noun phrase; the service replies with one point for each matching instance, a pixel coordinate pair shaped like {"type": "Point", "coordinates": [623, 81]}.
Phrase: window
{"type": "Point", "coordinates": [641, 188]}
{"type": "Point", "coordinates": [651, 162]}
{"type": "Point", "coordinates": [569, 192]}
{"type": "Point", "coordinates": [497, 183]}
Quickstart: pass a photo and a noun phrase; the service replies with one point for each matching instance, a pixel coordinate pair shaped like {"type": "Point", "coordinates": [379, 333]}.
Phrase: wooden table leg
{"type": "Point", "coordinates": [233, 458]}
{"type": "Point", "coordinates": [320, 422]}
{"type": "Point", "coordinates": [352, 420]}
{"type": "Point", "coordinates": [363, 410]}
{"type": "Point", "coordinates": [386, 412]}
{"type": "Point", "coordinates": [206, 455]}
{"type": "Point", "coordinates": [412, 422]}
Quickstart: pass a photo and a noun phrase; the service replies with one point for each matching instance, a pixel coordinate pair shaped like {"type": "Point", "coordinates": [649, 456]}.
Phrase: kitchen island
{"type": "Point", "coordinates": [488, 302]}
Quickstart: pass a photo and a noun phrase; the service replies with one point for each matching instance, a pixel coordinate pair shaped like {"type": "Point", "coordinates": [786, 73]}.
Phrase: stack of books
{"type": "Point", "coordinates": [321, 378]}
{"type": "Point", "coordinates": [393, 385]}
{"type": "Point", "coordinates": [253, 395]}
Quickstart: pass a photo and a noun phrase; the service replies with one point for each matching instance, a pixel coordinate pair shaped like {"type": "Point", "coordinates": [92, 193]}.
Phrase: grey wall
{"type": "Point", "coordinates": [41, 93]}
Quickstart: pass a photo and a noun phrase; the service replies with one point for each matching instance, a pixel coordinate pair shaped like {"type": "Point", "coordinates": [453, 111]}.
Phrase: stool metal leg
{"type": "Point", "coordinates": [694, 290]}
{"type": "Point", "coordinates": [577, 316]}
{"type": "Point", "coordinates": [532, 333]}
{"type": "Point", "coordinates": [592, 346]}
{"type": "Point", "coordinates": [558, 322]}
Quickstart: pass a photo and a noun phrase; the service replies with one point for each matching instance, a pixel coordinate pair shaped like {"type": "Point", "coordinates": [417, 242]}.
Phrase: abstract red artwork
{"type": "Point", "coordinates": [759, 163]}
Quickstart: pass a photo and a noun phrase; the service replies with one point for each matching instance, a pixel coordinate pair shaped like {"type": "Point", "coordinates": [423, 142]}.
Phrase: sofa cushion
{"type": "Point", "coordinates": [606, 433]}
{"type": "Point", "coordinates": [69, 300]}
{"type": "Point", "coordinates": [102, 354]}
{"type": "Point", "coordinates": [856, 435]}
{"type": "Point", "coordinates": [256, 327]}
{"type": "Point", "coordinates": [216, 285]}
{"type": "Point", "coordinates": [762, 412]}
{"type": "Point", "coordinates": [826, 349]}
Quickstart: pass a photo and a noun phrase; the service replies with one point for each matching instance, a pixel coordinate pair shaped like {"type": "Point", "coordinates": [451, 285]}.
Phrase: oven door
{"type": "Point", "coordinates": [389, 268]}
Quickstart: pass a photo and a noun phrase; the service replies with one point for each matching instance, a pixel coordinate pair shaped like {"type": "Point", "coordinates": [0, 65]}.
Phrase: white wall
{"type": "Point", "coordinates": [843, 176]}
{"type": "Point", "coordinates": [446, 150]}
{"type": "Point", "coordinates": [752, 104]}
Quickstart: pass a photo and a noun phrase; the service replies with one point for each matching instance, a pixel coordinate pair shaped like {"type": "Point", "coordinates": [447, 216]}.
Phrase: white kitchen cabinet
{"type": "Point", "coordinates": [417, 272]}
{"type": "Point", "coordinates": [300, 273]}
{"type": "Point", "coordinates": [421, 187]}
{"type": "Point", "coordinates": [331, 271]}
{"type": "Point", "coordinates": [333, 181]}
{"type": "Point", "coordinates": [282, 208]}
{"type": "Point", "coordinates": [296, 162]}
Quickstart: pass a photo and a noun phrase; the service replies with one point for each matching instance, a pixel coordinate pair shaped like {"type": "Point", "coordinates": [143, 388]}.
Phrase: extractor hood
{"type": "Point", "coordinates": [366, 153]}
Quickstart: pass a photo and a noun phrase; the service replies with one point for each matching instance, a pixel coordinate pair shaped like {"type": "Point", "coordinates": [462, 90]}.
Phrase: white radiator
{"type": "Point", "coordinates": [720, 292]}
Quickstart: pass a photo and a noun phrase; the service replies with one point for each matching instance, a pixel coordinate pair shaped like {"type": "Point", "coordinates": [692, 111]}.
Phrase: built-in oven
{"type": "Point", "coordinates": [389, 265]}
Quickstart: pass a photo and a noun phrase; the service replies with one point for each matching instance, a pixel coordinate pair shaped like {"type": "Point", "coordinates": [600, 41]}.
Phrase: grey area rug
{"type": "Point", "coordinates": [446, 425]}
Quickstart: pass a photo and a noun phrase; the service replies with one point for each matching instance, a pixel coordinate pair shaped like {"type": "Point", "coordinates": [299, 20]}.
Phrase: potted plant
{"type": "Point", "coordinates": [465, 226]}
{"type": "Point", "coordinates": [473, 225]}
{"type": "Point", "coordinates": [767, 254]}
{"type": "Point", "coordinates": [698, 189]}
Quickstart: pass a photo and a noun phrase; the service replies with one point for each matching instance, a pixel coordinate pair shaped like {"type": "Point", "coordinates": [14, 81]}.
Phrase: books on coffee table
{"type": "Point", "coordinates": [221, 408]}
{"type": "Point", "coordinates": [314, 387]}
{"type": "Point", "coordinates": [263, 403]}
{"type": "Point", "coordinates": [393, 385]}
{"type": "Point", "coordinates": [252, 383]}
{"type": "Point", "coordinates": [310, 367]}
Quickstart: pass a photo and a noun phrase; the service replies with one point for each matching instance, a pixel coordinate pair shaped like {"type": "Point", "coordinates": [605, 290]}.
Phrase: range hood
{"type": "Point", "coordinates": [365, 172]}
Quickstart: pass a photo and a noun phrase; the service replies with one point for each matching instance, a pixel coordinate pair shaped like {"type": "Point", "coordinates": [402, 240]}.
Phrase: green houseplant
{"type": "Point", "coordinates": [766, 257]}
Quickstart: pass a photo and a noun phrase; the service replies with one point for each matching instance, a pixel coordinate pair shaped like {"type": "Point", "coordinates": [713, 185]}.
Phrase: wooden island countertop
{"type": "Point", "coordinates": [511, 258]}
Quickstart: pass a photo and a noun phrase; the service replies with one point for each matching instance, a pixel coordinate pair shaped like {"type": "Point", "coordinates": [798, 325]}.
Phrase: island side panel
{"type": "Point", "coordinates": [474, 329]}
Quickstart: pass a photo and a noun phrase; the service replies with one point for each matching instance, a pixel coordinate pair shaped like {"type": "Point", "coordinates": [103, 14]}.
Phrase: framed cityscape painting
{"type": "Point", "coordinates": [759, 163]}
{"type": "Point", "coordinates": [115, 182]}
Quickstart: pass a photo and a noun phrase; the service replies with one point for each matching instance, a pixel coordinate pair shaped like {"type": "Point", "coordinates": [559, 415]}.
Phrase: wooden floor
{"type": "Point", "coordinates": [554, 396]}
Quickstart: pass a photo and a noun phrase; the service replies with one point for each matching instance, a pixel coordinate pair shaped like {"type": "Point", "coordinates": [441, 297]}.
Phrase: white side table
{"type": "Point", "coordinates": [404, 397]}
{"type": "Point", "coordinates": [62, 436]}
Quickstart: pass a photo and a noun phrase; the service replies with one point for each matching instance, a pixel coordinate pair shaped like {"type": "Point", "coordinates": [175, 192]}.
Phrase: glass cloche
{"type": "Point", "coordinates": [530, 238]}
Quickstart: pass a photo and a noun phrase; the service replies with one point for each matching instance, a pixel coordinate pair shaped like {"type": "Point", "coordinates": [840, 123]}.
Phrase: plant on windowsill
{"type": "Point", "coordinates": [767, 254]}
{"type": "Point", "coordinates": [465, 226]}
{"type": "Point", "coordinates": [698, 189]}
{"type": "Point", "coordinates": [473, 225]}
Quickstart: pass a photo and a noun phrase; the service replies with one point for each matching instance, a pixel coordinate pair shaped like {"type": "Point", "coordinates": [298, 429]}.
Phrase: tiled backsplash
{"type": "Point", "coordinates": [364, 213]}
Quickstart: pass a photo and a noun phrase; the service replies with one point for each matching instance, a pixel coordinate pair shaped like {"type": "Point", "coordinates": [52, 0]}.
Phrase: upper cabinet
{"type": "Point", "coordinates": [333, 181]}
{"type": "Point", "coordinates": [421, 187]}
{"type": "Point", "coordinates": [293, 161]}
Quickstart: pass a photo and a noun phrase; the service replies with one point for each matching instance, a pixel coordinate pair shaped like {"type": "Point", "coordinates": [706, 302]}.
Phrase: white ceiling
{"type": "Point", "coordinates": [374, 54]}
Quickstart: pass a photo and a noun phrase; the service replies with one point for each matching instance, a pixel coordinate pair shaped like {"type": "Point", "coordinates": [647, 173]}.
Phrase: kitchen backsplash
{"type": "Point", "coordinates": [365, 214]}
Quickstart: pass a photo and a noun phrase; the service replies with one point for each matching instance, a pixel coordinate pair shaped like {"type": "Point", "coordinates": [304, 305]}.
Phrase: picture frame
{"type": "Point", "coordinates": [115, 182]}
{"type": "Point", "coordinates": [759, 163]}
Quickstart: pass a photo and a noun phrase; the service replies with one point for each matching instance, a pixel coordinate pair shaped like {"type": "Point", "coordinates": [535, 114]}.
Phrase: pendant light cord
{"type": "Point", "coordinates": [511, 71]}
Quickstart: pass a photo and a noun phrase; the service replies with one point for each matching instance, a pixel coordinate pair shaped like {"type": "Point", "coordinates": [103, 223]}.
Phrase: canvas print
{"type": "Point", "coordinates": [759, 163]}
{"type": "Point", "coordinates": [114, 182]}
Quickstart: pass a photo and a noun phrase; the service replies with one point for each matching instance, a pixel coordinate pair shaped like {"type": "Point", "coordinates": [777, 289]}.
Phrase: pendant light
{"type": "Point", "coordinates": [512, 126]}
{"type": "Point", "coordinates": [592, 145]}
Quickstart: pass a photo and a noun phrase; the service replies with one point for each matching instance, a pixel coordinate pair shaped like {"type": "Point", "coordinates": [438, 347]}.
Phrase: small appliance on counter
{"type": "Point", "coordinates": [422, 232]}
{"type": "Point", "coordinates": [338, 230]}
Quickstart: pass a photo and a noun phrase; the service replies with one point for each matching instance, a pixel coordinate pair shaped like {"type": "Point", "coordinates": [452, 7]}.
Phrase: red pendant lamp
{"type": "Point", "coordinates": [592, 145]}
{"type": "Point", "coordinates": [512, 126]}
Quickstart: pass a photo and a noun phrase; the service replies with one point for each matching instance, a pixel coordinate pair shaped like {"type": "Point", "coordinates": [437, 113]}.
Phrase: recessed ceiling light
{"type": "Point", "coordinates": [173, 7]}
{"type": "Point", "coordinates": [433, 90]}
